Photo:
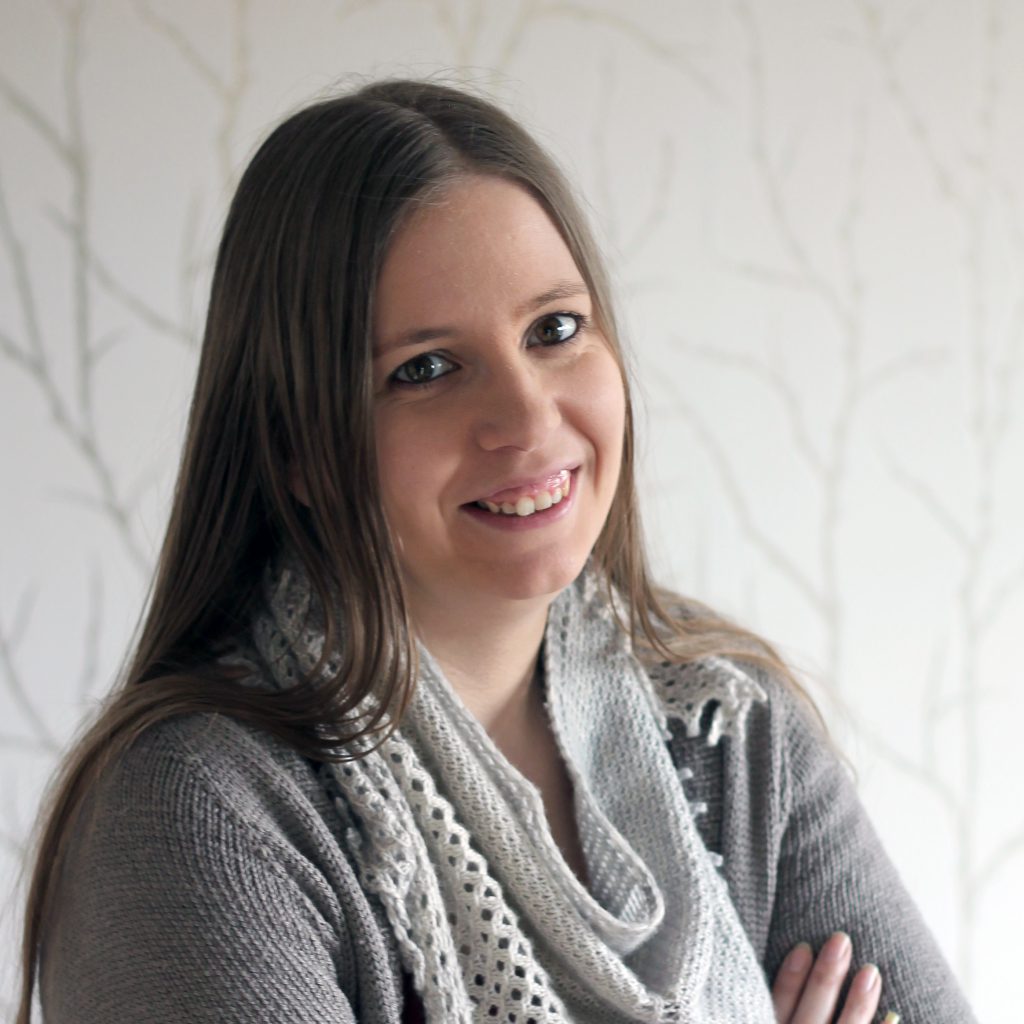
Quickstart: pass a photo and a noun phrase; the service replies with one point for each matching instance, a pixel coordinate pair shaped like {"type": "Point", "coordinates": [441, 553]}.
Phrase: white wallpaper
{"type": "Point", "coordinates": [815, 213]}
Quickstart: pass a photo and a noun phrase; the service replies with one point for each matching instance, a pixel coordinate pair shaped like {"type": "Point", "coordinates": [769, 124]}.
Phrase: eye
{"type": "Point", "coordinates": [423, 369]}
{"type": "Point", "coordinates": [557, 327]}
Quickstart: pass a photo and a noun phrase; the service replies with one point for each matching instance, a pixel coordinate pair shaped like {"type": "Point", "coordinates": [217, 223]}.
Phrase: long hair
{"type": "Point", "coordinates": [284, 389]}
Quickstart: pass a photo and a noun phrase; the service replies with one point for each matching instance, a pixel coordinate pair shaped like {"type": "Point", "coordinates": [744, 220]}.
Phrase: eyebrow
{"type": "Point", "coordinates": [421, 335]}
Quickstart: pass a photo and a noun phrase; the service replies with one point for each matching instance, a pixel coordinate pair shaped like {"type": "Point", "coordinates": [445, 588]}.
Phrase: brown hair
{"type": "Point", "coordinates": [284, 381]}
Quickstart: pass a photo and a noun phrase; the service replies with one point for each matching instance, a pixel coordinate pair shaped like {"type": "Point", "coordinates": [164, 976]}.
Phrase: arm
{"type": "Point", "coordinates": [832, 874]}
{"type": "Point", "coordinates": [194, 894]}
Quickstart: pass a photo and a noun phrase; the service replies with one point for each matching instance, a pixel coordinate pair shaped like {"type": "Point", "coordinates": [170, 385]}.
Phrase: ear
{"type": "Point", "coordinates": [297, 484]}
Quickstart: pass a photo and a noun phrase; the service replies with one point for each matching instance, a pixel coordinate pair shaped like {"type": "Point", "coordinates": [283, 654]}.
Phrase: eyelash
{"type": "Point", "coordinates": [582, 324]}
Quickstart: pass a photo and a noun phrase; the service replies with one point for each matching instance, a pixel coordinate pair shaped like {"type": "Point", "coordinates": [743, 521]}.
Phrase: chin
{"type": "Point", "coordinates": [531, 580]}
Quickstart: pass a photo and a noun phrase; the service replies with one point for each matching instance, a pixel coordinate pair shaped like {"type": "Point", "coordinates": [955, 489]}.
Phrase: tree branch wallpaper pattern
{"type": "Point", "coordinates": [813, 213]}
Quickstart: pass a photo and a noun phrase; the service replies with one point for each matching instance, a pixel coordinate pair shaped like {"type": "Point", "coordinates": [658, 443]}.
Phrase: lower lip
{"type": "Point", "coordinates": [500, 521]}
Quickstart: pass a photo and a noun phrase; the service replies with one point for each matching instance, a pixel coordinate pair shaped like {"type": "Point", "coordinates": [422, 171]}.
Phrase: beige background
{"type": "Point", "coordinates": [815, 214]}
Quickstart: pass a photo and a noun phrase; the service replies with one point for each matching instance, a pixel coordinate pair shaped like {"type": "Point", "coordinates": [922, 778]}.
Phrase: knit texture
{"type": "Point", "coordinates": [213, 880]}
{"type": "Point", "coordinates": [490, 921]}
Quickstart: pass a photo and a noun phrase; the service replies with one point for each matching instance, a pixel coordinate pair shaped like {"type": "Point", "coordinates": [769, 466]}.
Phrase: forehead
{"type": "Point", "coordinates": [484, 244]}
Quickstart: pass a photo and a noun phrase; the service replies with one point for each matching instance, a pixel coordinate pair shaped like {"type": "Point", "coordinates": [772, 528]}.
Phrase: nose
{"type": "Point", "coordinates": [518, 408]}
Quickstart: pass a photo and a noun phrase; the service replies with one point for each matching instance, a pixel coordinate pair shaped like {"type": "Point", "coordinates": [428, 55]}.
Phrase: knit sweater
{"type": "Point", "coordinates": [212, 884]}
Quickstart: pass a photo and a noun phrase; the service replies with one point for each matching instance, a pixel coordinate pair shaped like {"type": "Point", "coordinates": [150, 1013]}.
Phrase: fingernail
{"type": "Point", "coordinates": [799, 959]}
{"type": "Point", "coordinates": [836, 948]}
{"type": "Point", "coordinates": [891, 1018]}
{"type": "Point", "coordinates": [866, 980]}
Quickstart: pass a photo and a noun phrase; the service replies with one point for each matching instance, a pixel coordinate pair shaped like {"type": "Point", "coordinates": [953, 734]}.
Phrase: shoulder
{"type": "Point", "coordinates": [749, 745]}
{"type": "Point", "coordinates": [716, 697]}
{"type": "Point", "coordinates": [730, 727]}
{"type": "Point", "coordinates": [206, 846]}
{"type": "Point", "coordinates": [206, 761]}
{"type": "Point", "coordinates": [204, 800]}
{"type": "Point", "coordinates": [711, 688]}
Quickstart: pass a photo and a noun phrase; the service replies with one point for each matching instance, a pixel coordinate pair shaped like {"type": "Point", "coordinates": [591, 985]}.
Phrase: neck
{"type": "Point", "coordinates": [488, 652]}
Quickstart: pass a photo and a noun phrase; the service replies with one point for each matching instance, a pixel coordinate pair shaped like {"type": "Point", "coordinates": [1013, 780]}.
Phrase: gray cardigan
{"type": "Point", "coordinates": [213, 883]}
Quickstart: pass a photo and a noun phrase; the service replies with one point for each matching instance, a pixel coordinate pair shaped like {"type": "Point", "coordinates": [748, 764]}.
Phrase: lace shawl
{"type": "Point", "coordinates": [488, 919]}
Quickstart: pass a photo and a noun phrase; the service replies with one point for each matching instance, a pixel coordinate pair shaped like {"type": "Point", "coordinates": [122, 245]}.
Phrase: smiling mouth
{"type": "Point", "coordinates": [534, 499]}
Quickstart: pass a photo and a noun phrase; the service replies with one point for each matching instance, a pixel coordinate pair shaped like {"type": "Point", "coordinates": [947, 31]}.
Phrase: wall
{"type": "Point", "coordinates": [814, 215]}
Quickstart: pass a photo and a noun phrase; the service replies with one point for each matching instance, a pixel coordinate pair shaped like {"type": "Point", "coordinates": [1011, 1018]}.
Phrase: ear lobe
{"type": "Point", "coordinates": [297, 484]}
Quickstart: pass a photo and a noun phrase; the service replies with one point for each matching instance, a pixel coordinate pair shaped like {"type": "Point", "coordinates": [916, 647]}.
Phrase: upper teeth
{"type": "Point", "coordinates": [526, 506]}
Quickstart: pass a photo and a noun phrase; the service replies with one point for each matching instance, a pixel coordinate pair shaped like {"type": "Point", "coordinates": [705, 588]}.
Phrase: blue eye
{"type": "Point", "coordinates": [557, 327]}
{"type": "Point", "coordinates": [423, 369]}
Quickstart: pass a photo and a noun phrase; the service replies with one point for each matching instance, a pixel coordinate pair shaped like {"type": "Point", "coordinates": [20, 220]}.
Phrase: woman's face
{"type": "Point", "coordinates": [492, 386]}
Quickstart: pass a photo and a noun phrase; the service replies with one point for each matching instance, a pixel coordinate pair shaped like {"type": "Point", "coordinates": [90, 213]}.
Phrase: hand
{"type": "Point", "coordinates": [806, 989]}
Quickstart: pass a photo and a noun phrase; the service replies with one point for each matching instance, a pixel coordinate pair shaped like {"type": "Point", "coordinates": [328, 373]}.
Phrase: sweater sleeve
{"type": "Point", "coordinates": [833, 875]}
{"type": "Point", "coordinates": [183, 899]}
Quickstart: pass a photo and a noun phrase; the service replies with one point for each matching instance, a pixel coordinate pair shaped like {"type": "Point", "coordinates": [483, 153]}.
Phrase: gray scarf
{"type": "Point", "coordinates": [488, 918]}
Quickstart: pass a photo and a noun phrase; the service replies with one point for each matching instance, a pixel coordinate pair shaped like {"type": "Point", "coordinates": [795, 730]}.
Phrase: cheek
{"type": "Point", "coordinates": [395, 459]}
{"type": "Point", "coordinates": [411, 464]}
{"type": "Point", "coordinates": [606, 409]}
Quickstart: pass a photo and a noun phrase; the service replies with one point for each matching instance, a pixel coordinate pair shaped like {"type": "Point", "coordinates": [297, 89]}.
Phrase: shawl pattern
{"type": "Point", "coordinates": [488, 919]}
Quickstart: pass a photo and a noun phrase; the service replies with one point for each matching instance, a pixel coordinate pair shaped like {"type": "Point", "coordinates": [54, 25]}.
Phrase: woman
{"type": "Point", "coordinates": [408, 733]}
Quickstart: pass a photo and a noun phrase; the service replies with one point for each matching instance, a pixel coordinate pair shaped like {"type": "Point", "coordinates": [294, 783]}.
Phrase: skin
{"type": "Point", "coordinates": [807, 987]}
{"type": "Point", "coordinates": [508, 406]}
{"type": "Point", "coordinates": [483, 377]}
{"type": "Point", "coordinates": [520, 384]}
